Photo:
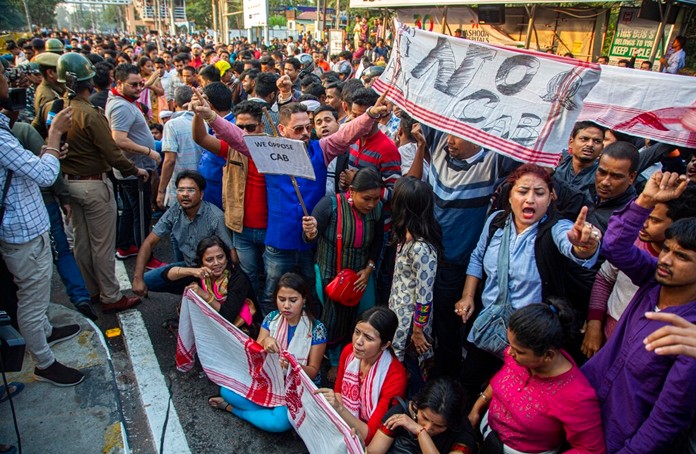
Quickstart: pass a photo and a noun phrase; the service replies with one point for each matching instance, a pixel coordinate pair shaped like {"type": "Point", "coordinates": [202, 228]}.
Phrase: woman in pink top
{"type": "Point", "coordinates": [539, 402]}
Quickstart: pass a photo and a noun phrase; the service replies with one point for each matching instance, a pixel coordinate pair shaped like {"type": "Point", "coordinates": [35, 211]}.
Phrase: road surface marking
{"type": "Point", "coordinates": [122, 276]}
{"type": "Point", "coordinates": [151, 384]}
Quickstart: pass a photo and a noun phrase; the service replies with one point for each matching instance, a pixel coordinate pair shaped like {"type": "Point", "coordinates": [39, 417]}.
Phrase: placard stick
{"type": "Point", "coordinates": [292, 177]}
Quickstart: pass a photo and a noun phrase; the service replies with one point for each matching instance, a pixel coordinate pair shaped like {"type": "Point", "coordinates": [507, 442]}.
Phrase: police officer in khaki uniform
{"type": "Point", "coordinates": [92, 153]}
{"type": "Point", "coordinates": [48, 90]}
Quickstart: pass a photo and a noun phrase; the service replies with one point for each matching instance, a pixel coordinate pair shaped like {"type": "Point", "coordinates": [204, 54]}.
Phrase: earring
{"type": "Point", "coordinates": [350, 198]}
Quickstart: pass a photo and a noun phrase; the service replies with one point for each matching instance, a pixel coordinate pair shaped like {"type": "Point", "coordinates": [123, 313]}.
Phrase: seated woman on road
{"type": "Point", "coordinates": [433, 422]}
{"type": "Point", "coordinates": [222, 285]}
{"type": "Point", "coordinates": [362, 233]}
{"type": "Point", "coordinates": [540, 399]}
{"type": "Point", "coordinates": [369, 375]}
{"type": "Point", "coordinates": [286, 329]}
{"type": "Point", "coordinates": [523, 254]}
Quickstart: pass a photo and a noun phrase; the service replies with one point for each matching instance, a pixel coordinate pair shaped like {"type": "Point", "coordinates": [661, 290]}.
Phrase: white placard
{"type": "Point", "coordinates": [335, 41]}
{"type": "Point", "coordinates": [255, 13]}
{"type": "Point", "coordinates": [280, 156]}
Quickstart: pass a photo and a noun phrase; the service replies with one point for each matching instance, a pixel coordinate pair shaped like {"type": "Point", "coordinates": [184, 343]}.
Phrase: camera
{"type": "Point", "coordinates": [12, 345]}
{"type": "Point", "coordinates": [15, 74]}
{"type": "Point", "coordinates": [16, 100]}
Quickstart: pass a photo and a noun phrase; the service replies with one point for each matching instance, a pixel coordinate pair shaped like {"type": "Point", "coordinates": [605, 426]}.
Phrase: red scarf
{"type": "Point", "coordinates": [139, 105]}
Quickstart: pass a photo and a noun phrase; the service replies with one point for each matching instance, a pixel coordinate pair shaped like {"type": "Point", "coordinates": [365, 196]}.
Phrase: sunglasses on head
{"type": "Point", "coordinates": [251, 127]}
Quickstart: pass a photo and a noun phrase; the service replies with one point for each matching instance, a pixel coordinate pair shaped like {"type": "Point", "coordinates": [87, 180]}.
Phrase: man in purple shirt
{"type": "Point", "coordinates": [648, 399]}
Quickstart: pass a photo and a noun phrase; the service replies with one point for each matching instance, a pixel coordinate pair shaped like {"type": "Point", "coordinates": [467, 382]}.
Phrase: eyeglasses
{"type": "Point", "coordinates": [136, 84]}
{"type": "Point", "coordinates": [186, 190]}
{"type": "Point", "coordinates": [251, 127]}
{"type": "Point", "coordinates": [299, 129]}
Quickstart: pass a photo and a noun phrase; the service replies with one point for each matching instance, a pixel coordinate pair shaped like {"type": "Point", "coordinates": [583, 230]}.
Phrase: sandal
{"type": "Point", "coordinates": [18, 387]}
{"type": "Point", "coordinates": [219, 403]}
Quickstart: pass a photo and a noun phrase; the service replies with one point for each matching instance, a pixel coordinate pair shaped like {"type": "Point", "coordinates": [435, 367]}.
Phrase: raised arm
{"type": "Point", "coordinates": [337, 143]}
{"type": "Point", "coordinates": [416, 169]}
{"type": "Point", "coordinates": [625, 225]}
{"type": "Point", "coordinates": [223, 129]}
{"type": "Point", "coordinates": [201, 136]}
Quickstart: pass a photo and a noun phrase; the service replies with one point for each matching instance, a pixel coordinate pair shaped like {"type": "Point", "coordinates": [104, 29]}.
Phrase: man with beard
{"type": "Point", "coordinates": [326, 123]}
{"type": "Point", "coordinates": [648, 399]}
{"type": "Point", "coordinates": [180, 62]}
{"type": "Point", "coordinates": [578, 165]}
{"type": "Point", "coordinates": [187, 223]}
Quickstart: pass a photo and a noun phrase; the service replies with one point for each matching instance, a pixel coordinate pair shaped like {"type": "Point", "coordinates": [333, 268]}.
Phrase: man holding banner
{"type": "Point", "coordinates": [285, 249]}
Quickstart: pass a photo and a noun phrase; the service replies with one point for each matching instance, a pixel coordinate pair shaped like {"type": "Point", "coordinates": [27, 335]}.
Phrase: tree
{"type": "Point", "coordinates": [200, 12]}
{"type": "Point", "coordinates": [43, 12]}
{"type": "Point", "coordinates": [112, 15]}
{"type": "Point", "coordinates": [12, 17]}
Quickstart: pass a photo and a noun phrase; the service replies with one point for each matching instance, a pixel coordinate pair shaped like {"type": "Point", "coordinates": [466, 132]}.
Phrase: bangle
{"type": "Point", "coordinates": [422, 429]}
{"type": "Point", "coordinates": [484, 397]}
{"type": "Point", "coordinates": [370, 115]}
{"type": "Point", "coordinates": [47, 148]}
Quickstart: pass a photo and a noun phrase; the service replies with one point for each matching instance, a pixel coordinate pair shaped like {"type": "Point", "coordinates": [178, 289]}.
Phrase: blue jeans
{"type": "Point", "coordinates": [280, 261]}
{"type": "Point", "coordinates": [63, 258]}
{"type": "Point", "coordinates": [250, 247]}
{"type": "Point", "coordinates": [157, 283]}
{"type": "Point", "coordinates": [129, 221]}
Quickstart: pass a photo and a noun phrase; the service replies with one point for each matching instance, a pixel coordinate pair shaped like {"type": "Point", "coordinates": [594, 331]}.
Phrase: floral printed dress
{"type": "Point", "coordinates": [411, 297]}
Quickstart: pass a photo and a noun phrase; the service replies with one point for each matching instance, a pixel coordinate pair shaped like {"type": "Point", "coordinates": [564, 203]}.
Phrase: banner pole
{"type": "Point", "coordinates": [292, 177]}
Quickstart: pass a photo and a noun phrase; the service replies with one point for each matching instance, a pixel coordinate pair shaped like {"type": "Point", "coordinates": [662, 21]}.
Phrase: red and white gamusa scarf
{"type": "Point", "coordinates": [359, 400]}
{"type": "Point", "coordinates": [231, 359]}
{"type": "Point", "coordinates": [228, 356]}
{"type": "Point", "coordinates": [301, 342]}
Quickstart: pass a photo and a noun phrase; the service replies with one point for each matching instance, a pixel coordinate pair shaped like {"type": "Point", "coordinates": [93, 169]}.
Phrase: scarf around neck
{"type": "Point", "coordinates": [361, 399]}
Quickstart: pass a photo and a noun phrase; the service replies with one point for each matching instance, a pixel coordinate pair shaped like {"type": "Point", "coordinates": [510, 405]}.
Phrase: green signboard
{"type": "Point", "coordinates": [634, 36]}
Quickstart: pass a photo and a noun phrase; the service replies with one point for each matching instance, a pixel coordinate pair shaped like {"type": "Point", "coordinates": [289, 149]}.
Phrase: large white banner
{"type": "Point", "coordinates": [255, 13]}
{"type": "Point", "coordinates": [233, 360]}
{"type": "Point", "coordinates": [520, 103]}
{"type": "Point", "coordinates": [643, 104]}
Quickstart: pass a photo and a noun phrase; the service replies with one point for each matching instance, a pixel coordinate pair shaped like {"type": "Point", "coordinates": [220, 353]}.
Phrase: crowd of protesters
{"type": "Point", "coordinates": [517, 309]}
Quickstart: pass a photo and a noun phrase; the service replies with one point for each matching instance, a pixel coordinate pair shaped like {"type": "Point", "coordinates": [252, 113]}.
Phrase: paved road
{"type": "Point", "coordinates": [144, 361]}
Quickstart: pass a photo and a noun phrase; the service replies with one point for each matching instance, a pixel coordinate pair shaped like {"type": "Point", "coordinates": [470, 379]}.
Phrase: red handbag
{"type": "Point", "coordinates": [342, 288]}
